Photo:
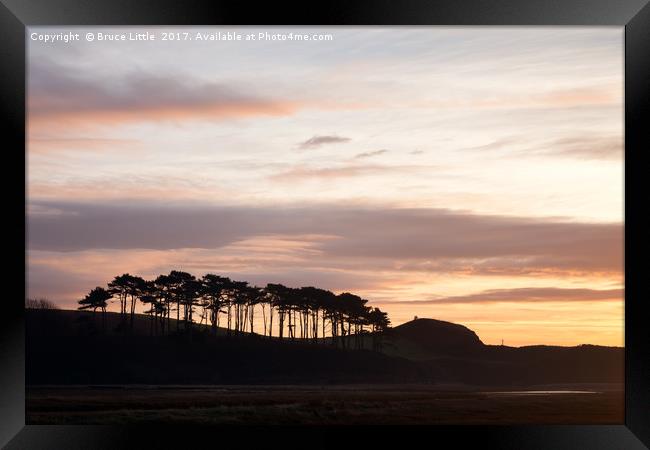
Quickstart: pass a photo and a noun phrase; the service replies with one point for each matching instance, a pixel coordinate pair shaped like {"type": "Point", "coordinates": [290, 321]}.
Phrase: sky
{"type": "Point", "coordinates": [473, 175]}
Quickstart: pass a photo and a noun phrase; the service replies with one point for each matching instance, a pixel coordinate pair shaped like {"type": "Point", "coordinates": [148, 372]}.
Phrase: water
{"type": "Point", "coordinates": [538, 392]}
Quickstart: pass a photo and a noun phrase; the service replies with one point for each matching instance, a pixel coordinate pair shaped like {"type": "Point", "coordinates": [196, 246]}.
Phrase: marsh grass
{"type": "Point", "coordinates": [315, 406]}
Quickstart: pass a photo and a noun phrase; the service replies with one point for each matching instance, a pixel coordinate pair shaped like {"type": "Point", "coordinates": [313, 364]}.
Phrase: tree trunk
{"type": "Point", "coordinates": [228, 322]}
{"type": "Point", "coordinates": [132, 311]}
{"type": "Point", "coordinates": [264, 317]}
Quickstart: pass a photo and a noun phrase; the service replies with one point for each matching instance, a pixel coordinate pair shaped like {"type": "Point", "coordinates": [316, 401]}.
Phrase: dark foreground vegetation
{"type": "Point", "coordinates": [316, 405]}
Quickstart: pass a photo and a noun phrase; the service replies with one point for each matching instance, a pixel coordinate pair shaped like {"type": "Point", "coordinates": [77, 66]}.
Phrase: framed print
{"type": "Point", "coordinates": [341, 223]}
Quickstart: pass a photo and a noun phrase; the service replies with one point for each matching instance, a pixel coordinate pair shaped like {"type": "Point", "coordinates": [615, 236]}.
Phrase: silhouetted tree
{"type": "Point", "coordinates": [252, 297]}
{"type": "Point", "coordinates": [119, 288]}
{"type": "Point", "coordinates": [164, 290]}
{"type": "Point", "coordinates": [96, 298]}
{"type": "Point", "coordinates": [123, 287]}
{"type": "Point", "coordinates": [176, 281]}
{"type": "Point", "coordinates": [39, 303]}
{"type": "Point", "coordinates": [136, 287]}
{"type": "Point", "coordinates": [190, 297]}
{"type": "Point", "coordinates": [151, 295]}
{"type": "Point", "coordinates": [314, 301]}
{"type": "Point", "coordinates": [379, 322]}
{"type": "Point", "coordinates": [351, 309]}
{"type": "Point", "coordinates": [211, 293]}
{"type": "Point", "coordinates": [278, 296]}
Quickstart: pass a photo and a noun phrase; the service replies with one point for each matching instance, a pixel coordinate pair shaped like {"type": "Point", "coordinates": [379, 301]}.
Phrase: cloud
{"type": "Point", "coordinates": [498, 144]}
{"type": "Point", "coordinates": [580, 96]}
{"type": "Point", "coordinates": [307, 173]}
{"type": "Point", "coordinates": [139, 186]}
{"type": "Point", "coordinates": [303, 173]}
{"type": "Point", "coordinates": [318, 141]}
{"type": "Point", "coordinates": [370, 154]}
{"type": "Point", "coordinates": [37, 145]}
{"type": "Point", "coordinates": [527, 295]}
{"type": "Point", "coordinates": [586, 147]}
{"type": "Point", "coordinates": [416, 240]}
{"type": "Point", "coordinates": [606, 95]}
{"type": "Point", "coordinates": [574, 146]}
{"type": "Point", "coordinates": [56, 93]}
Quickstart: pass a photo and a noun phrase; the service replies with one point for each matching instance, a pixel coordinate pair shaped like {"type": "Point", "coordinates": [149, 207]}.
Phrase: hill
{"type": "Point", "coordinates": [71, 347]}
{"type": "Point", "coordinates": [429, 338]}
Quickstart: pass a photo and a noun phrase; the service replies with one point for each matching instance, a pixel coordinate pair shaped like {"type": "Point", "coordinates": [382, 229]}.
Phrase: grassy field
{"type": "Point", "coordinates": [317, 405]}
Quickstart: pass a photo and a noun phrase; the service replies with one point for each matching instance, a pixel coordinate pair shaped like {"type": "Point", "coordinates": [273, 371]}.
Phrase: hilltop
{"type": "Point", "coordinates": [428, 338]}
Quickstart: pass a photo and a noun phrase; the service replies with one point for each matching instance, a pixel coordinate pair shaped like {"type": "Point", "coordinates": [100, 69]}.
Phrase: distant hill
{"type": "Point", "coordinates": [72, 347]}
{"type": "Point", "coordinates": [436, 337]}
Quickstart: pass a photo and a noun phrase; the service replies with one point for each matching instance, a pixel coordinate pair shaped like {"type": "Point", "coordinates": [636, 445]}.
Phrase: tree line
{"type": "Point", "coordinates": [306, 313]}
{"type": "Point", "coordinates": [39, 303]}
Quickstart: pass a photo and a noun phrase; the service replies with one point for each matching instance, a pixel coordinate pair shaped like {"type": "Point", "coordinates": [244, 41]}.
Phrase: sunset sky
{"type": "Point", "coordinates": [473, 175]}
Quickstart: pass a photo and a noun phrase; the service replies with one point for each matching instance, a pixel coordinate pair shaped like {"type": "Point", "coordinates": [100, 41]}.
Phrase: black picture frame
{"type": "Point", "coordinates": [634, 15]}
